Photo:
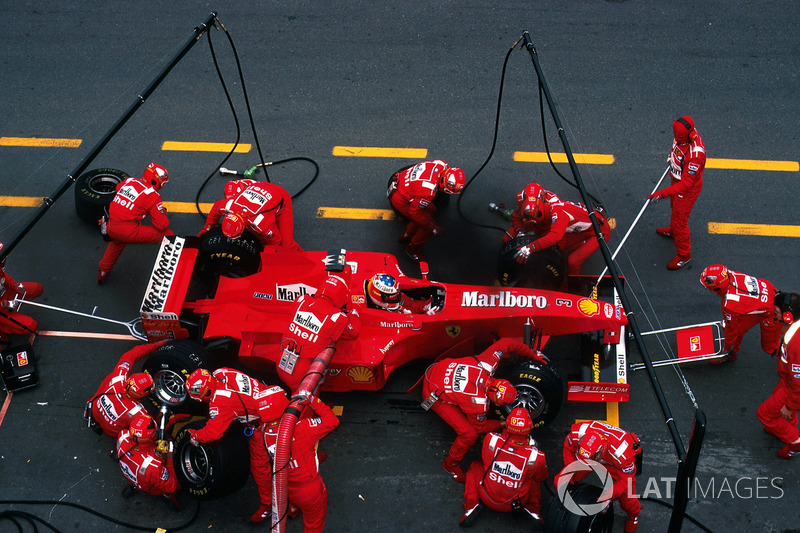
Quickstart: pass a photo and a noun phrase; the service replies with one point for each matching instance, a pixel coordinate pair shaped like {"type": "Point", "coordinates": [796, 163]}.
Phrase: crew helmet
{"type": "Point", "coordinates": [335, 288]}
{"type": "Point", "coordinates": [592, 446]}
{"type": "Point", "coordinates": [199, 385]}
{"type": "Point", "coordinates": [155, 175]}
{"type": "Point", "coordinates": [500, 391]}
{"type": "Point", "coordinates": [682, 129]}
{"type": "Point", "coordinates": [452, 180]}
{"type": "Point", "coordinates": [716, 278]}
{"type": "Point", "coordinates": [519, 421]}
{"type": "Point", "coordinates": [384, 291]}
{"type": "Point", "coordinates": [233, 225]}
{"type": "Point", "coordinates": [139, 385]}
{"type": "Point", "coordinates": [235, 187]}
{"type": "Point", "coordinates": [142, 428]}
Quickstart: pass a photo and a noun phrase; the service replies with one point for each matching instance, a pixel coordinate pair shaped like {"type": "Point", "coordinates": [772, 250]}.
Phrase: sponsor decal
{"type": "Point", "coordinates": [502, 299]}
{"type": "Point", "coordinates": [608, 310]}
{"type": "Point", "coordinates": [262, 295]}
{"type": "Point", "coordinates": [358, 298]}
{"type": "Point", "coordinates": [387, 347]}
{"type": "Point", "coordinates": [596, 368]}
{"type": "Point", "coordinates": [453, 331]}
{"type": "Point", "coordinates": [566, 302]}
{"type": "Point", "coordinates": [360, 374]}
{"type": "Point", "coordinates": [290, 293]}
{"type": "Point", "coordinates": [22, 358]}
{"type": "Point", "coordinates": [161, 278]}
{"type": "Point", "coordinates": [507, 469]}
{"type": "Point", "coordinates": [396, 324]}
{"type": "Point", "coordinates": [694, 344]}
{"type": "Point", "coordinates": [588, 307]}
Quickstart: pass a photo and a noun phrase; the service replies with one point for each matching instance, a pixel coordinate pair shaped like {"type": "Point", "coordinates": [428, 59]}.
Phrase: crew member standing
{"type": "Point", "coordinates": [459, 391]}
{"type": "Point", "coordinates": [687, 160]}
{"type": "Point", "coordinates": [412, 191]}
{"type": "Point", "coordinates": [746, 301]}
{"type": "Point", "coordinates": [12, 322]}
{"type": "Point", "coordinates": [615, 449]}
{"type": "Point", "coordinates": [510, 473]}
{"type": "Point", "coordinates": [778, 413]}
{"type": "Point", "coordinates": [136, 198]}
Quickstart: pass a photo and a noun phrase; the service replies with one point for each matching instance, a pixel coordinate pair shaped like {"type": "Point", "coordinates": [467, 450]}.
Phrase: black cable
{"type": "Point", "coordinates": [10, 515]}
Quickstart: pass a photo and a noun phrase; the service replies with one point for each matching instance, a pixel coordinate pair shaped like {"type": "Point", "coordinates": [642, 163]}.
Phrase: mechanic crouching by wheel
{"type": "Point", "coordinates": [116, 402]}
{"type": "Point", "coordinates": [459, 391]}
{"type": "Point", "coordinates": [147, 465]}
{"type": "Point", "coordinates": [234, 396]}
{"type": "Point", "coordinates": [412, 191]}
{"type": "Point", "coordinates": [136, 198]}
{"type": "Point", "coordinates": [616, 450]}
{"type": "Point", "coordinates": [317, 321]}
{"type": "Point", "coordinates": [232, 190]}
{"type": "Point", "coordinates": [510, 473]}
{"type": "Point", "coordinates": [12, 322]}
{"type": "Point", "coordinates": [555, 221]}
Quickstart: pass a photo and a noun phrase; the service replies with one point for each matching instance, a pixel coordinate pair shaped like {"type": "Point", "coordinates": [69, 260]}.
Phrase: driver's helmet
{"type": "Point", "coordinates": [716, 278]}
{"type": "Point", "coordinates": [452, 180]}
{"type": "Point", "coordinates": [384, 292]}
{"type": "Point", "coordinates": [235, 187]}
{"type": "Point", "coordinates": [233, 225]}
{"type": "Point", "coordinates": [519, 421]}
{"type": "Point", "coordinates": [155, 175]}
{"type": "Point", "coordinates": [500, 391]}
{"type": "Point", "coordinates": [142, 428]}
{"type": "Point", "coordinates": [592, 447]}
{"type": "Point", "coordinates": [335, 288]}
{"type": "Point", "coordinates": [200, 385]}
{"type": "Point", "coordinates": [139, 385]}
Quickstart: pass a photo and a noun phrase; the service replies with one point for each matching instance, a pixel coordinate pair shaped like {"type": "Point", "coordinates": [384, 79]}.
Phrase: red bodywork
{"type": "Point", "coordinates": [255, 310]}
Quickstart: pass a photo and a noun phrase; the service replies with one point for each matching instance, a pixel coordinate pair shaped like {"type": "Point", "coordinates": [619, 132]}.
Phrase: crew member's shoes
{"type": "Point", "coordinates": [664, 232]}
{"type": "Point", "coordinates": [129, 490]}
{"type": "Point", "coordinates": [405, 238]}
{"type": "Point", "coordinates": [414, 253]}
{"type": "Point", "coordinates": [262, 514]}
{"type": "Point", "coordinates": [471, 515]}
{"type": "Point", "coordinates": [631, 524]}
{"type": "Point", "coordinates": [730, 356]}
{"type": "Point", "coordinates": [789, 451]}
{"type": "Point", "coordinates": [678, 262]}
{"type": "Point", "coordinates": [102, 276]}
{"type": "Point", "coordinates": [455, 469]}
{"type": "Point", "coordinates": [172, 502]}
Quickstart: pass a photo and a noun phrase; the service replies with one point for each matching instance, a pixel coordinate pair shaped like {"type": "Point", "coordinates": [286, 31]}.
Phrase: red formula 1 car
{"type": "Point", "coordinates": [217, 291]}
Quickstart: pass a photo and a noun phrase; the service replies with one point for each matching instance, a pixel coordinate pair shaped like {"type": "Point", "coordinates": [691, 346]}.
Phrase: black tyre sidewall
{"type": "Point", "coordinates": [558, 519]}
{"type": "Point", "coordinates": [525, 374]}
{"type": "Point", "coordinates": [545, 269]}
{"type": "Point", "coordinates": [235, 258]}
{"type": "Point", "coordinates": [92, 200]}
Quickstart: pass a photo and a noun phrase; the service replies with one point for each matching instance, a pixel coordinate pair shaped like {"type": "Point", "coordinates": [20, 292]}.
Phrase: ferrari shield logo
{"type": "Point", "coordinates": [453, 331]}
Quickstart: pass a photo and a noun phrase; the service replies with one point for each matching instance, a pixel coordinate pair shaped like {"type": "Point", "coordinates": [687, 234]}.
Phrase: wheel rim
{"type": "Point", "coordinates": [104, 183]}
{"type": "Point", "coordinates": [169, 387]}
{"type": "Point", "coordinates": [194, 463]}
{"type": "Point", "coordinates": [529, 398]}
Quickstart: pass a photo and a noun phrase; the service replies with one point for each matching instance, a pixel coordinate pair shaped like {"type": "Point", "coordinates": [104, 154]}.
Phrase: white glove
{"type": "Point", "coordinates": [522, 254]}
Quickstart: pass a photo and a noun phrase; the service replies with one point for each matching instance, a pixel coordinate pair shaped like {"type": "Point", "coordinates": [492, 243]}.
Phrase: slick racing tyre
{"type": "Point", "coordinates": [545, 269]}
{"type": "Point", "coordinates": [212, 470]}
{"type": "Point", "coordinates": [234, 258]}
{"type": "Point", "coordinates": [169, 367]}
{"type": "Point", "coordinates": [94, 191]}
{"type": "Point", "coordinates": [539, 390]}
{"type": "Point", "coordinates": [559, 519]}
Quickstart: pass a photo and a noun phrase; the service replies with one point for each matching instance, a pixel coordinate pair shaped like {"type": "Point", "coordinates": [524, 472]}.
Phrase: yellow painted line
{"type": "Point", "coordinates": [559, 157]}
{"type": "Point", "coordinates": [366, 151]}
{"type": "Point", "coordinates": [356, 213]}
{"type": "Point", "coordinates": [40, 142]}
{"type": "Point", "coordinates": [763, 230]}
{"type": "Point", "coordinates": [204, 147]}
{"type": "Point", "coordinates": [186, 207]}
{"type": "Point", "coordinates": [20, 201]}
{"type": "Point", "coordinates": [612, 415]}
{"type": "Point", "coordinates": [752, 164]}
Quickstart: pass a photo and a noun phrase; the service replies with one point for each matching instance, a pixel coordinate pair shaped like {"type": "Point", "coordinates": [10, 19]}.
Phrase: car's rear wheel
{"type": "Point", "coordinates": [559, 519]}
{"type": "Point", "coordinates": [540, 391]}
{"type": "Point", "coordinates": [234, 258]}
{"type": "Point", "coordinates": [545, 269]}
{"type": "Point", "coordinates": [94, 191]}
{"type": "Point", "coordinates": [169, 366]}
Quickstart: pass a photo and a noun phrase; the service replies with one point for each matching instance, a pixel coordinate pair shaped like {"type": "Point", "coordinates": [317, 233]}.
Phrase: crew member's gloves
{"type": "Point", "coordinates": [522, 254]}
{"type": "Point", "coordinates": [251, 173]}
{"type": "Point", "coordinates": [204, 231]}
{"type": "Point", "coordinates": [303, 399]}
{"type": "Point", "coordinates": [658, 195]}
{"type": "Point", "coordinates": [192, 439]}
{"type": "Point", "coordinates": [164, 447]}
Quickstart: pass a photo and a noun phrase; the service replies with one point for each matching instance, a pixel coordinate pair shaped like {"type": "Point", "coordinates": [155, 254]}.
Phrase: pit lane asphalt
{"type": "Point", "coordinates": [416, 75]}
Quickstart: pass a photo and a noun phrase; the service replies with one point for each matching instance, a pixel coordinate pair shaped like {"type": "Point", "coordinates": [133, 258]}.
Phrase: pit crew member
{"type": "Point", "coordinates": [778, 413]}
{"type": "Point", "coordinates": [148, 467]}
{"type": "Point", "coordinates": [265, 209]}
{"type": "Point", "coordinates": [136, 198]}
{"type": "Point", "coordinates": [307, 490]}
{"type": "Point", "coordinates": [317, 321]}
{"type": "Point", "coordinates": [12, 322]}
{"type": "Point", "coordinates": [459, 391]}
{"type": "Point", "coordinates": [616, 450]}
{"type": "Point", "coordinates": [687, 160]}
{"type": "Point", "coordinates": [746, 301]}
{"type": "Point", "coordinates": [555, 221]}
{"type": "Point", "coordinates": [510, 473]}
{"type": "Point", "coordinates": [412, 191]}
{"type": "Point", "coordinates": [116, 402]}
{"type": "Point", "coordinates": [384, 292]}
{"type": "Point", "coordinates": [232, 190]}
{"type": "Point", "coordinates": [234, 396]}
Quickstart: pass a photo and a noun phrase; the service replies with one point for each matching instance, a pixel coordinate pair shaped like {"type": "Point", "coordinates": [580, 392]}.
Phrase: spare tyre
{"type": "Point", "coordinates": [559, 519]}
{"type": "Point", "coordinates": [540, 390]}
{"type": "Point", "coordinates": [213, 470]}
{"type": "Point", "coordinates": [224, 256]}
{"type": "Point", "coordinates": [94, 191]}
{"type": "Point", "coordinates": [545, 269]}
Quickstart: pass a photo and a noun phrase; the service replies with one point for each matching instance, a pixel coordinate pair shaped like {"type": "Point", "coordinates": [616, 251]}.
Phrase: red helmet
{"type": "Point", "coordinates": [233, 225]}
{"type": "Point", "coordinates": [155, 175]}
{"type": "Point", "coordinates": [531, 192]}
{"type": "Point", "coordinates": [592, 446]}
{"type": "Point", "coordinates": [716, 277]}
{"type": "Point", "coordinates": [272, 405]}
{"type": "Point", "coordinates": [384, 291]}
{"type": "Point", "coordinates": [142, 428]}
{"type": "Point", "coordinates": [335, 288]}
{"type": "Point", "coordinates": [519, 421]}
{"type": "Point", "coordinates": [139, 385]}
{"type": "Point", "coordinates": [200, 385]}
{"type": "Point", "coordinates": [235, 187]}
{"type": "Point", "coordinates": [452, 180]}
{"type": "Point", "coordinates": [501, 391]}
{"type": "Point", "coordinates": [682, 129]}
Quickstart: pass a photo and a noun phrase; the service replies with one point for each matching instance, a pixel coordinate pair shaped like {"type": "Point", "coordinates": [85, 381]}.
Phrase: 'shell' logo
{"type": "Point", "coordinates": [694, 344]}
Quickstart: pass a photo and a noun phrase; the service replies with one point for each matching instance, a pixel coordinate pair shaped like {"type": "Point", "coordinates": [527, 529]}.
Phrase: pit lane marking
{"type": "Point", "coordinates": [88, 335]}
{"type": "Point", "coordinates": [761, 230]}
{"type": "Point", "coordinates": [752, 164]}
{"type": "Point", "coordinates": [356, 213]}
{"type": "Point", "coordinates": [371, 151]}
{"type": "Point", "coordinates": [6, 403]}
{"type": "Point", "coordinates": [40, 142]}
{"type": "Point", "coordinates": [612, 415]}
{"type": "Point", "coordinates": [560, 157]}
{"type": "Point", "coordinates": [177, 146]}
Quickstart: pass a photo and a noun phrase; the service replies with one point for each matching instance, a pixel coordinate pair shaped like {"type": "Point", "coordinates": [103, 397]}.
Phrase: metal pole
{"type": "Point", "coordinates": [662, 401]}
{"type": "Point", "coordinates": [48, 201]}
{"type": "Point", "coordinates": [686, 472]}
